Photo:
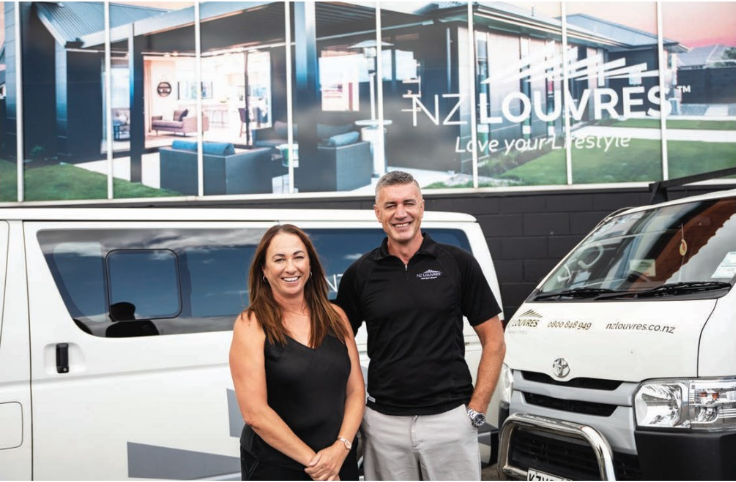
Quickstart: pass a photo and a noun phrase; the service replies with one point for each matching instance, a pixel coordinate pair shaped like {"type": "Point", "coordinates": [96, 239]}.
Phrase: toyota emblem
{"type": "Point", "coordinates": [561, 368]}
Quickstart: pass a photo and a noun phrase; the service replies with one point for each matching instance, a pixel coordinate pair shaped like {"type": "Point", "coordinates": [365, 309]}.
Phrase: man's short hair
{"type": "Point", "coordinates": [395, 178]}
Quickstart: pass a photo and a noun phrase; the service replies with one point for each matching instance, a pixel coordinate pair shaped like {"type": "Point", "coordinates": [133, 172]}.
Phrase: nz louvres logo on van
{"type": "Point", "coordinates": [589, 96]}
{"type": "Point", "coordinates": [528, 319]}
{"type": "Point", "coordinates": [429, 274]}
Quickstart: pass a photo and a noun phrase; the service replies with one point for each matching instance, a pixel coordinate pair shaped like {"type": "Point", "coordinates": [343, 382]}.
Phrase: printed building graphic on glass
{"type": "Point", "coordinates": [431, 97]}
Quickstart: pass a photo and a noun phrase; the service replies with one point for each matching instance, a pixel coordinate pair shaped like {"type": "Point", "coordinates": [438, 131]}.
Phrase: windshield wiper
{"type": "Point", "coordinates": [670, 289]}
{"type": "Point", "coordinates": [575, 293]}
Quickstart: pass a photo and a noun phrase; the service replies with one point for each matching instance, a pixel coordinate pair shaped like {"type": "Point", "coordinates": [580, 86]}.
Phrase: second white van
{"type": "Point", "coordinates": [621, 365]}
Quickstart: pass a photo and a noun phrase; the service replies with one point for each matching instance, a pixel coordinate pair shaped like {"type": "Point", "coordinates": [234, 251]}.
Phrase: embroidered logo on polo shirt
{"type": "Point", "coordinates": [429, 274]}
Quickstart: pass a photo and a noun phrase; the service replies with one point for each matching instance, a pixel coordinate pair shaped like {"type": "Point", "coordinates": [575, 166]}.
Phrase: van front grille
{"type": "Point", "coordinates": [576, 406]}
{"type": "Point", "coordinates": [565, 457]}
{"type": "Point", "coordinates": [589, 383]}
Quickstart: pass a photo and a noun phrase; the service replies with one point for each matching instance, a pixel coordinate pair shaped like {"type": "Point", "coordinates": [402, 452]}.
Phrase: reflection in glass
{"type": "Point", "coordinates": [614, 87]}
{"type": "Point", "coordinates": [340, 248]}
{"type": "Point", "coordinates": [199, 276]}
{"type": "Point", "coordinates": [684, 243]}
{"type": "Point", "coordinates": [217, 279]}
{"type": "Point", "coordinates": [8, 154]}
{"type": "Point", "coordinates": [79, 269]}
{"type": "Point", "coordinates": [146, 281]}
{"type": "Point", "coordinates": [701, 82]}
{"type": "Point", "coordinates": [520, 130]}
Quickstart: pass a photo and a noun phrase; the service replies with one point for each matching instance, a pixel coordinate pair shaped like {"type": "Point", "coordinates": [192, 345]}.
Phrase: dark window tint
{"type": "Point", "coordinates": [454, 237]}
{"type": "Point", "coordinates": [79, 270]}
{"type": "Point", "coordinates": [217, 279]}
{"type": "Point", "coordinates": [177, 280]}
{"type": "Point", "coordinates": [147, 279]}
{"type": "Point", "coordinates": [339, 248]}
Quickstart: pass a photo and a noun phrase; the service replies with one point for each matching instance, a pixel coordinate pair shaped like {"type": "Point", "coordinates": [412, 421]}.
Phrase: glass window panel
{"type": "Point", "coordinates": [520, 130]}
{"type": "Point", "coordinates": [614, 86]}
{"type": "Point", "coordinates": [80, 269]}
{"type": "Point", "coordinates": [339, 248]}
{"type": "Point", "coordinates": [335, 95]}
{"type": "Point", "coordinates": [154, 99]}
{"type": "Point", "coordinates": [146, 268]}
{"type": "Point", "coordinates": [8, 103]}
{"type": "Point", "coordinates": [218, 278]}
{"type": "Point", "coordinates": [244, 74]}
{"type": "Point", "coordinates": [63, 92]}
{"type": "Point", "coordinates": [146, 279]}
{"type": "Point", "coordinates": [426, 107]}
{"type": "Point", "coordinates": [700, 75]}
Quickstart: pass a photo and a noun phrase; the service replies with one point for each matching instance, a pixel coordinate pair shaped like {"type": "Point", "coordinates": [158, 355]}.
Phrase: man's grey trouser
{"type": "Point", "coordinates": [420, 447]}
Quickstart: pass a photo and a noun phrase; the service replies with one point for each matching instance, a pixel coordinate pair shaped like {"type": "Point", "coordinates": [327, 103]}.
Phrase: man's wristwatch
{"type": "Point", "coordinates": [476, 418]}
{"type": "Point", "coordinates": [346, 442]}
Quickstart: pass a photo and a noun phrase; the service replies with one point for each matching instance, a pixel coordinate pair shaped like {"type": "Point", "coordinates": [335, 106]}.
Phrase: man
{"type": "Point", "coordinates": [423, 412]}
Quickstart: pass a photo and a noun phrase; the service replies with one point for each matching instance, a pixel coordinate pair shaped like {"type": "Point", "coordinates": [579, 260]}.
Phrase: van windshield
{"type": "Point", "coordinates": [673, 251]}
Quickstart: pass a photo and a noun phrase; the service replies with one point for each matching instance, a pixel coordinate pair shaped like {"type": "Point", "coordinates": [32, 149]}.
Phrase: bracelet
{"type": "Point", "coordinates": [345, 442]}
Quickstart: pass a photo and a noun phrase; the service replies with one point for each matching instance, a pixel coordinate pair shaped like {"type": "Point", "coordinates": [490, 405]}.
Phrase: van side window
{"type": "Point", "coordinates": [338, 248]}
{"type": "Point", "coordinates": [79, 271]}
{"type": "Point", "coordinates": [142, 282]}
{"type": "Point", "coordinates": [165, 281]}
{"type": "Point", "coordinates": [147, 280]}
{"type": "Point", "coordinates": [216, 279]}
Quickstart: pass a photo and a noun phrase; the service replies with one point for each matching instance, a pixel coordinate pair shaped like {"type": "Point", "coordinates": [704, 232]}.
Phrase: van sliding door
{"type": "Point", "coordinates": [131, 328]}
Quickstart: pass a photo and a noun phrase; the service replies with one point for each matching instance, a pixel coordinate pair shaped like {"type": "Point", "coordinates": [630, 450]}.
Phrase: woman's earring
{"type": "Point", "coordinates": [310, 274]}
{"type": "Point", "coordinates": [265, 280]}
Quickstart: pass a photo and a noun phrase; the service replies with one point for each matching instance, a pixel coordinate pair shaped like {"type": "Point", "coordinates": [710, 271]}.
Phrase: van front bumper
{"type": "Point", "coordinates": [585, 434]}
{"type": "Point", "coordinates": [661, 455]}
{"type": "Point", "coordinates": [686, 455]}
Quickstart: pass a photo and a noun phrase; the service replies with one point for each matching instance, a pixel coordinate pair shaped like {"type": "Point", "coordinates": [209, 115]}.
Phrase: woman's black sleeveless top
{"type": "Point", "coordinates": [306, 387]}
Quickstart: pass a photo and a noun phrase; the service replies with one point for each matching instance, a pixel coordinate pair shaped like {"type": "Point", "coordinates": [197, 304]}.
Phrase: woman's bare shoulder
{"type": "Point", "coordinates": [247, 322]}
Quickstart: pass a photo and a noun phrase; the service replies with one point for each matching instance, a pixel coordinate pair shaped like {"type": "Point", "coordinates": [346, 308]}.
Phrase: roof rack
{"type": "Point", "coordinates": [659, 188]}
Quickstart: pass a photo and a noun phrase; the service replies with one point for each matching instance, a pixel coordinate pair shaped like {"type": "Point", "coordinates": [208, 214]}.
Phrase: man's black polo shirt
{"type": "Point", "coordinates": [414, 315]}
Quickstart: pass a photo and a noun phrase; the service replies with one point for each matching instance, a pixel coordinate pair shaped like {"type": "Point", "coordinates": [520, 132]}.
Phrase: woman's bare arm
{"type": "Point", "coordinates": [247, 367]}
{"type": "Point", "coordinates": [328, 461]}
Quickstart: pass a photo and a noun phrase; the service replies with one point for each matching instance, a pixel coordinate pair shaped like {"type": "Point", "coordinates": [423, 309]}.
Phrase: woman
{"type": "Point", "coordinates": [295, 367]}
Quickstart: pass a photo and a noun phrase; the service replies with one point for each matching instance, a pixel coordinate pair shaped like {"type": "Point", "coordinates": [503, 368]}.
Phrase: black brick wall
{"type": "Point", "coordinates": [527, 232]}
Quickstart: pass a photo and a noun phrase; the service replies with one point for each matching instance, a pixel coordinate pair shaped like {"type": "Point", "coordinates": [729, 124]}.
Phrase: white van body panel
{"type": "Point", "coordinates": [718, 341]}
{"type": "Point", "coordinates": [617, 342]}
{"type": "Point", "coordinates": [15, 364]}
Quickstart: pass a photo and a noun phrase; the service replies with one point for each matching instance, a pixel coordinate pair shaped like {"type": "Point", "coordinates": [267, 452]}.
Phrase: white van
{"type": "Point", "coordinates": [622, 363]}
{"type": "Point", "coordinates": [83, 396]}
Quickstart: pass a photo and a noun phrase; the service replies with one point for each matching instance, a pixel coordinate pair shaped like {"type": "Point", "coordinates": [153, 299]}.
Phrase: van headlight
{"type": "Point", "coordinates": [506, 380]}
{"type": "Point", "coordinates": [700, 404]}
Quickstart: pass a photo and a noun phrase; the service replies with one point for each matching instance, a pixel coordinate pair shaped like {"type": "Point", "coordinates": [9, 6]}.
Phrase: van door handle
{"type": "Point", "coordinates": [62, 358]}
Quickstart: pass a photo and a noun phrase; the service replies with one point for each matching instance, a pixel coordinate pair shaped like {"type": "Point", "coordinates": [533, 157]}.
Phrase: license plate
{"type": "Point", "coordinates": [532, 474]}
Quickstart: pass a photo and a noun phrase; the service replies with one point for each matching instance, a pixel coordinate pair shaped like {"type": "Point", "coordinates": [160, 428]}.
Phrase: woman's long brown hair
{"type": "Point", "coordinates": [269, 313]}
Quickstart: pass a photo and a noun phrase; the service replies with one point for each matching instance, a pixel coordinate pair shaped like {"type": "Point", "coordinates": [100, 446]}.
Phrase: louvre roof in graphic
{"type": "Point", "coordinates": [82, 22]}
{"type": "Point", "coordinates": [628, 36]}
{"type": "Point", "coordinates": [702, 57]}
{"type": "Point", "coordinates": [68, 22]}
